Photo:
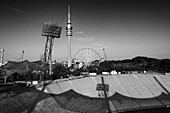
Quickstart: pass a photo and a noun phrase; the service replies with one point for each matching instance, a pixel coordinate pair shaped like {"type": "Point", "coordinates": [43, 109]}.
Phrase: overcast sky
{"type": "Point", "coordinates": [125, 28]}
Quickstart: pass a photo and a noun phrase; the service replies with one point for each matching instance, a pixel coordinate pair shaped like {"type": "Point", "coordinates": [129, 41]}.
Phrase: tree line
{"type": "Point", "coordinates": [139, 64]}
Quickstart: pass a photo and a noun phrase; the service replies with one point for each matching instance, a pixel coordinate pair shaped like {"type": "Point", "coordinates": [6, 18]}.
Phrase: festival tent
{"type": "Point", "coordinates": [20, 66]}
{"type": "Point", "coordinates": [21, 69]}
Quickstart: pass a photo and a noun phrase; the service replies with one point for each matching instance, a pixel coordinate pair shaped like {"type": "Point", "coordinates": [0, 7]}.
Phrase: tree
{"type": "Point", "coordinates": [60, 71]}
{"type": "Point", "coordinates": [106, 66]}
{"type": "Point", "coordinates": [76, 72]}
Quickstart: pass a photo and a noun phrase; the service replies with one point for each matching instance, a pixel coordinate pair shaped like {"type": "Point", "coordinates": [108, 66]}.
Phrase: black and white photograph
{"type": "Point", "coordinates": [84, 56]}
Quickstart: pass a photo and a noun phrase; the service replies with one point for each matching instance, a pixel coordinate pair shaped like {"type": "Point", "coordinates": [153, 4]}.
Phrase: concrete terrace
{"type": "Point", "coordinates": [135, 91]}
{"type": "Point", "coordinates": [127, 93]}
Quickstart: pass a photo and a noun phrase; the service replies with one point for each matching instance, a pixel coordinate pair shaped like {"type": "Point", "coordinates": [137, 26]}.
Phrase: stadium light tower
{"type": "Point", "coordinates": [2, 57]}
{"type": "Point", "coordinates": [69, 33]}
{"type": "Point", "coordinates": [22, 56]}
{"type": "Point", "coordinates": [51, 31]}
{"type": "Point", "coordinates": [105, 57]}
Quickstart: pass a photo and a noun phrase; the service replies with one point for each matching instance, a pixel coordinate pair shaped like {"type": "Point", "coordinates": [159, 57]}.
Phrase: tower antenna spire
{"type": "Point", "coordinates": [69, 29]}
{"type": "Point", "coordinates": [69, 19]}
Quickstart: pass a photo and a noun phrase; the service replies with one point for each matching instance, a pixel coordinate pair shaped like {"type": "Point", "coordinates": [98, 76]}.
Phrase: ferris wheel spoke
{"type": "Point", "coordinates": [95, 57]}
{"type": "Point", "coordinates": [80, 55]}
{"type": "Point", "coordinates": [81, 59]}
{"type": "Point", "coordinates": [92, 56]}
{"type": "Point", "coordinates": [88, 52]}
{"type": "Point", "coordinates": [91, 53]}
{"type": "Point", "coordinates": [85, 56]}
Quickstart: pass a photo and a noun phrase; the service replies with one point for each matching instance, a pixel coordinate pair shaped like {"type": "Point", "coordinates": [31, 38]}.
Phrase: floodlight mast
{"type": "Point", "coordinates": [69, 29]}
{"type": "Point", "coordinates": [105, 57]}
{"type": "Point", "coordinates": [51, 31]}
{"type": "Point", "coordinates": [22, 56]}
{"type": "Point", "coordinates": [48, 53]}
{"type": "Point", "coordinates": [2, 57]}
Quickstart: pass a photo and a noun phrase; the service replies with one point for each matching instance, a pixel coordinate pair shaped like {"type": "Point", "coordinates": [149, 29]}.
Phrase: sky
{"type": "Point", "coordinates": [124, 28]}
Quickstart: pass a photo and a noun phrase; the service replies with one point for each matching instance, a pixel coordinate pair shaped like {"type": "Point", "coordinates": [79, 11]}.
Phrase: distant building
{"type": "Point", "coordinates": [113, 72]}
{"type": "Point", "coordinates": [135, 72]}
{"type": "Point", "coordinates": [105, 73]}
{"type": "Point", "coordinates": [1, 64]}
{"type": "Point", "coordinates": [92, 74]}
{"type": "Point", "coordinates": [167, 73]}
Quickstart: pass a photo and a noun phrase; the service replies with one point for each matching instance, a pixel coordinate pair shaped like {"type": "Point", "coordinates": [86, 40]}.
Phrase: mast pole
{"type": "Point", "coordinates": [69, 34]}
{"type": "Point", "coordinates": [2, 57]}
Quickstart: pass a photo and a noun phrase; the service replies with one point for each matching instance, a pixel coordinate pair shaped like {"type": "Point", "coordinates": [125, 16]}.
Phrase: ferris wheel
{"type": "Point", "coordinates": [86, 56]}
